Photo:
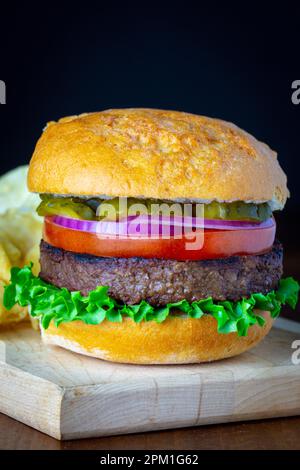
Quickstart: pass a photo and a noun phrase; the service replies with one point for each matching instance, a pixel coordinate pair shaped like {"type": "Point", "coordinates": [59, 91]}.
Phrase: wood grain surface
{"type": "Point", "coordinates": [70, 396]}
{"type": "Point", "coordinates": [274, 434]}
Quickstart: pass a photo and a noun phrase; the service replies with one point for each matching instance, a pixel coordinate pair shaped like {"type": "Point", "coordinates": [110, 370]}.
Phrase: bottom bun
{"type": "Point", "coordinates": [178, 340]}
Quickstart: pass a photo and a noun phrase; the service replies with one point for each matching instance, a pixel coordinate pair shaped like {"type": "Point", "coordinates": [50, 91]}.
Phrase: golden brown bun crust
{"type": "Point", "coordinates": [178, 340]}
{"type": "Point", "coordinates": [155, 154]}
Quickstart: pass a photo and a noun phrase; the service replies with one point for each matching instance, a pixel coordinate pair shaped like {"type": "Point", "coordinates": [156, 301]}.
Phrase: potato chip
{"type": "Point", "coordinates": [20, 234]}
{"type": "Point", "coordinates": [5, 264]}
{"type": "Point", "coordinates": [14, 192]}
{"type": "Point", "coordinates": [16, 314]}
{"type": "Point", "coordinates": [33, 256]}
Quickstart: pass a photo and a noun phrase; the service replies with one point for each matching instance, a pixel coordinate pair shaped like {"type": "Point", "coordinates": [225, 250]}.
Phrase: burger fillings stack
{"type": "Point", "coordinates": [159, 238]}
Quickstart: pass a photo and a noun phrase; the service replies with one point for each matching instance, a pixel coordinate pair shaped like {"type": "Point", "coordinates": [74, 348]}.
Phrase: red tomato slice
{"type": "Point", "coordinates": [216, 243]}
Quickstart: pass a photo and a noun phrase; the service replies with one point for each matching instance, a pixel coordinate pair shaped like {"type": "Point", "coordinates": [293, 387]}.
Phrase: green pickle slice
{"type": "Point", "coordinates": [237, 210]}
{"type": "Point", "coordinates": [67, 207]}
{"type": "Point", "coordinates": [80, 208]}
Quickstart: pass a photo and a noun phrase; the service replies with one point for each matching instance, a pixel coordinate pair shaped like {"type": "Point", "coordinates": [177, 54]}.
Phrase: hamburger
{"type": "Point", "coordinates": [159, 243]}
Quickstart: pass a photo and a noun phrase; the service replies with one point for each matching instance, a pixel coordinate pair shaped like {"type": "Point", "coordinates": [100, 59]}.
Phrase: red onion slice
{"type": "Point", "coordinates": [145, 225]}
{"type": "Point", "coordinates": [237, 225]}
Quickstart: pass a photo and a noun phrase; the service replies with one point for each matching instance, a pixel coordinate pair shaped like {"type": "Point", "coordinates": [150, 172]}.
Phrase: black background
{"type": "Point", "coordinates": [227, 61]}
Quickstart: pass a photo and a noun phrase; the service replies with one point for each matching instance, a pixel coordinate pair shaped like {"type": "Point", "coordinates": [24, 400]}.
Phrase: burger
{"type": "Point", "coordinates": [159, 239]}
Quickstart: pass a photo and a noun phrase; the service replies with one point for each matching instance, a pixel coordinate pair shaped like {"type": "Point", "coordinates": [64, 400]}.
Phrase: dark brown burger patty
{"type": "Point", "coordinates": [160, 281]}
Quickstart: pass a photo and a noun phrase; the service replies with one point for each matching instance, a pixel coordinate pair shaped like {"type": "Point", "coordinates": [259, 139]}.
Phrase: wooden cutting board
{"type": "Point", "coordinates": [69, 396]}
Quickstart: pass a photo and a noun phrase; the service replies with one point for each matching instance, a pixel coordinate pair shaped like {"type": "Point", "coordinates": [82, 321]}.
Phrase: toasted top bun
{"type": "Point", "coordinates": [155, 154]}
{"type": "Point", "coordinates": [178, 340]}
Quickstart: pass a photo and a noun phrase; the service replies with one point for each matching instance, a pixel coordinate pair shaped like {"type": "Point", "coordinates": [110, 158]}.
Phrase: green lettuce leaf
{"type": "Point", "coordinates": [51, 303]}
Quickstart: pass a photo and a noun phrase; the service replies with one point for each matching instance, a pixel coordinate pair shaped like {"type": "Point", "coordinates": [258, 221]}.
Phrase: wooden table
{"type": "Point", "coordinates": [283, 433]}
{"type": "Point", "coordinates": [268, 434]}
